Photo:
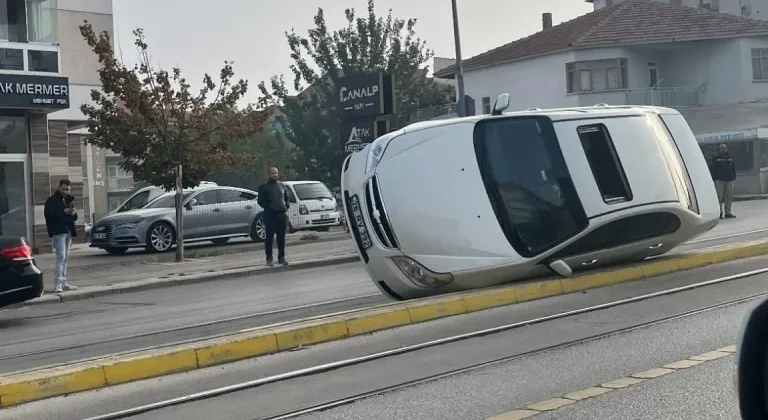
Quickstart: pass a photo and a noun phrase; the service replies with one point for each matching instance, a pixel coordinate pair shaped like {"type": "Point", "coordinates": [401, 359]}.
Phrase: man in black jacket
{"type": "Point", "coordinates": [723, 171]}
{"type": "Point", "coordinates": [273, 198]}
{"type": "Point", "coordinates": [60, 219]}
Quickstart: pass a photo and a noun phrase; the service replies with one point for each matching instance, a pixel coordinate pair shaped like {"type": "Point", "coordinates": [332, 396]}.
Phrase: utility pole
{"type": "Point", "coordinates": [461, 106]}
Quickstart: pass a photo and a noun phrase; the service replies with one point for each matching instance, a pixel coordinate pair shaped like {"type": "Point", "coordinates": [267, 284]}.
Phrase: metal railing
{"type": "Point", "coordinates": [663, 96]}
{"type": "Point", "coordinates": [120, 183]}
{"type": "Point", "coordinates": [425, 114]}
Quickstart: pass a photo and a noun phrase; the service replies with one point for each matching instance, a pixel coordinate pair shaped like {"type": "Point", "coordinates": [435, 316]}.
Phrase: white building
{"type": "Point", "coordinates": [46, 72]}
{"type": "Point", "coordinates": [712, 66]}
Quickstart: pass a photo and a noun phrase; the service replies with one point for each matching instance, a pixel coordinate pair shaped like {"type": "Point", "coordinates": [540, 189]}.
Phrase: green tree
{"type": "Point", "coordinates": [366, 44]}
{"type": "Point", "coordinates": [267, 149]}
{"type": "Point", "coordinates": [167, 133]}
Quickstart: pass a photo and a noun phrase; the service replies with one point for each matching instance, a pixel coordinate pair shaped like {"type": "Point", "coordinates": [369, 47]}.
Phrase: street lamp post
{"type": "Point", "coordinates": [461, 106]}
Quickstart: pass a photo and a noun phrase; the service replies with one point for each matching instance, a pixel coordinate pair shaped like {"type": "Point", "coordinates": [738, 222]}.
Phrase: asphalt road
{"type": "Point", "coordinates": [48, 335]}
{"type": "Point", "coordinates": [545, 363]}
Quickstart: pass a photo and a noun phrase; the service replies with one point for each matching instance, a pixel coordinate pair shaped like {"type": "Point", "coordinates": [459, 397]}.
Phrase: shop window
{"type": "Point", "coordinates": [13, 135]}
{"type": "Point", "coordinates": [45, 61]}
{"type": "Point", "coordinates": [743, 153]}
{"type": "Point", "coordinates": [622, 232]}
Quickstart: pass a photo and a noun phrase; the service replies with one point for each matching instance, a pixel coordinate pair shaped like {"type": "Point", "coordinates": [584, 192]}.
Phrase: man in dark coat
{"type": "Point", "coordinates": [273, 198]}
{"type": "Point", "coordinates": [723, 169]}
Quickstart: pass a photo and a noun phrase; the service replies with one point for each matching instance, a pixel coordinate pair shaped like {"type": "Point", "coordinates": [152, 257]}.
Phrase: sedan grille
{"type": "Point", "coordinates": [378, 214]}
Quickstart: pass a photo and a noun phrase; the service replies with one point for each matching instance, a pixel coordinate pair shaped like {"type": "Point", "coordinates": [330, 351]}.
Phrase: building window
{"type": "Point", "coordinates": [118, 178]}
{"type": "Point", "coordinates": [759, 63]}
{"type": "Point", "coordinates": [13, 135]}
{"type": "Point", "coordinates": [608, 3]}
{"type": "Point", "coordinates": [13, 21]}
{"type": "Point", "coordinates": [676, 3]}
{"type": "Point", "coordinates": [487, 105]}
{"type": "Point", "coordinates": [11, 59]}
{"type": "Point", "coordinates": [42, 20]}
{"type": "Point", "coordinates": [46, 61]}
{"type": "Point", "coordinates": [596, 76]}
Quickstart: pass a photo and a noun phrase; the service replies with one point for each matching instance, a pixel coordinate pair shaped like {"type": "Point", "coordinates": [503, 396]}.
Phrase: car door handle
{"type": "Point", "coordinates": [217, 210]}
{"type": "Point", "coordinates": [248, 207]}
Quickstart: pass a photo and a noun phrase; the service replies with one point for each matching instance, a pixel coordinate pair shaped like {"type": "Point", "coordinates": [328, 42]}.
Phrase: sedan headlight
{"type": "Point", "coordinates": [376, 152]}
{"type": "Point", "coordinates": [420, 275]}
{"type": "Point", "coordinates": [128, 225]}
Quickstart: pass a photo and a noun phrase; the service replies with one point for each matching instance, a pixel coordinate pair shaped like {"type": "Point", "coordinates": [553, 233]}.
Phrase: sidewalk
{"type": "Point", "coordinates": [106, 275]}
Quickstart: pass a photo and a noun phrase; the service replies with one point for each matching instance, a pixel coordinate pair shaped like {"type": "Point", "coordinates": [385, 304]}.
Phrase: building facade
{"type": "Point", "coordinates": [46, 73]}
{"type": "Point", "coordinates": [637, 52]}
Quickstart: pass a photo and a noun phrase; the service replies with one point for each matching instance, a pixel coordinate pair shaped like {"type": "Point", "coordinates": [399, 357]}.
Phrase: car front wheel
{"type": "Point", "coordinates": [160, 237]}
{"type": "Point", "coordinates": [258, 229]}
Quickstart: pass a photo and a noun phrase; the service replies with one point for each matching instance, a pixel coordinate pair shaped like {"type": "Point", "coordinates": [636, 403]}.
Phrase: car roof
{"type": "Point", "coordinates": [597, 111]}
{"type": "Point", "coordinates": [301, 182]}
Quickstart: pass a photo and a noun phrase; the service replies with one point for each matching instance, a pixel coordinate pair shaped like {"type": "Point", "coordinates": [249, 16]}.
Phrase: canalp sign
{"type": "Point", "coordinates": [42, 92]}
{"type": "Point", "coordinates": [727, 136]}
{"type": "Point", "coordinates": [366, 95]}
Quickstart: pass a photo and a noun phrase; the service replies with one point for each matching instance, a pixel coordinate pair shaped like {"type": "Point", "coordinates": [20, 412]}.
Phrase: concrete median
{"type": "Point", "coordinates": [115, 369]}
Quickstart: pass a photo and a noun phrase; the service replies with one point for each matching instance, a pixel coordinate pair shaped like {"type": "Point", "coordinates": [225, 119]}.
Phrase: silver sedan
{"type": "Point", "coordinates": [214, 214]}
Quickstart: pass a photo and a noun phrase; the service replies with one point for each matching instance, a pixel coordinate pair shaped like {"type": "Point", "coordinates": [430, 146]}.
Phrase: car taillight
{"type": "Point", "coordinates": [17, 253]}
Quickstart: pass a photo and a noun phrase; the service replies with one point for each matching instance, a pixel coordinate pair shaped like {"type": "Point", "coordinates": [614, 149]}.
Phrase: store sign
{"type": "Point", "coordinates": [365, 95]}
{"type": "Point", "coordinates": [356, 134]}
{"type": "Point", "coordinates": [727, 136]}
{"type": "Point", "coordinates": [40, 92]}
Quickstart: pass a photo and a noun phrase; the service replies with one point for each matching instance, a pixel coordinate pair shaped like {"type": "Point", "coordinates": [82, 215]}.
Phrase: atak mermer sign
{"type": "Point", "coordinates": [37, 89]}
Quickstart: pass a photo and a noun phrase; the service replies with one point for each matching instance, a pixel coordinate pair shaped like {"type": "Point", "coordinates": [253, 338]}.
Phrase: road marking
{"type": "Point", "coordinates": [553, 404]}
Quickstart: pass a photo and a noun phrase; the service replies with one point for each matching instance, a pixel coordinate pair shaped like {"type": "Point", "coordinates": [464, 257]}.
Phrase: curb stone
{"type": "Point", "coordinates": [116, 369]}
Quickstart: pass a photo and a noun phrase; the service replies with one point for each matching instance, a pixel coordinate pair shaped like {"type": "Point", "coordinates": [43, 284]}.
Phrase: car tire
{"type": "Point", "coordinates": [116, 251]}
{"type": "Point", "coordinates": [160, 237]}
{"type": "Point", "coordinates": [258, 229]}
{"type": "Point", "coordinates": [290, 228]}
{"type": "Point", "coordinates": [220, 241]}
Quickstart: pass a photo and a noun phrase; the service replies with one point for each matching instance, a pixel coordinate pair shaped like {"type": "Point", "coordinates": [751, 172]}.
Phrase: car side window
{"type": "Point", "coordinates": [291, 196]}
{"type": "Point", "coordinates": [206, 198]}
{"type": "Point", "coordinates": [137, 202]}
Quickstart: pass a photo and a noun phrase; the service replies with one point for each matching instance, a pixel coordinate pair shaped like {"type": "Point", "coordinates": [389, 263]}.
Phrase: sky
{"type": "Point", "coordinates": [199, 35]}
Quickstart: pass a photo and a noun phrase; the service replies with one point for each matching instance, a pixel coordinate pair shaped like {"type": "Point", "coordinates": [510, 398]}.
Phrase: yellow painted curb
{"type": "Point", "coordinates": [34, 385]}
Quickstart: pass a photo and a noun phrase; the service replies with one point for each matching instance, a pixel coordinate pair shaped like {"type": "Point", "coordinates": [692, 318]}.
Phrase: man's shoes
{"type": "Point", "coordinates": [282, 261]}
{"type": "Point", "coordinates": [730, 216]}
{"type": "Point", "coordinates": [66, 286]}
{"type": "Point", "coordinates": [270, 262]}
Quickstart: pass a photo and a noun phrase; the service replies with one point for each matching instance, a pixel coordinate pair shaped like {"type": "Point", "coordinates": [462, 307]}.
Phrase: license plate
{"type": "Point", "coordinates": [325, 216]}
{"type": "Point", "coordinates": [354, 203]}
{"type": "Point", "coordinates": [99, 236]}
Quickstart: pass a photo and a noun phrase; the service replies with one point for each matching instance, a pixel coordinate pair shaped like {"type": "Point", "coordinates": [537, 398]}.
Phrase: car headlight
{"type": "Point", "coordinates": [420, 275]}
{"type": "Point", "coordinates": [128, 225]}
{"type": "Point", "coordinates": [376, 152]}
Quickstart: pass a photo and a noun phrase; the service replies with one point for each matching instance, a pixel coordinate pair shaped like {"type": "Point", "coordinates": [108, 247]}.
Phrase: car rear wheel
{"type": "Point", "coordinates": [259, 229]}
{"type": "Point", "coordinates": [160, 237]}
{"type": "Point", "coordinates": [116, 251]}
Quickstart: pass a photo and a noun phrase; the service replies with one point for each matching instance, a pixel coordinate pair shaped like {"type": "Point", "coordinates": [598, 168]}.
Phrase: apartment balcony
{"type": "Point", "coordinates": [119, 184]}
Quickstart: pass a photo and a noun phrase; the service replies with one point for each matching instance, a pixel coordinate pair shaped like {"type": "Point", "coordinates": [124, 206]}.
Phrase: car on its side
{"type": "Point", "coordinates": [20, 278]}
{"type": "Point", "coordinates": [465, 203]}
{"type": "Point", "coordinates": [211, 213]}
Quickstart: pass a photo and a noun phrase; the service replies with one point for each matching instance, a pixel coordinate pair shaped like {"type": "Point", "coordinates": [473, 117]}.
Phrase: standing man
{"type": "Point", "coordinates": [723, 171]}
{"type": "Point", "coordinates": [60, 220]}
{"type": "Point", "coordinates": [273, 198]}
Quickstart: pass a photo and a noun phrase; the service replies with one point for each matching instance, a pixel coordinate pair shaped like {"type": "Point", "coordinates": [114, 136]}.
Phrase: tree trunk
{"type": "Point", "coordinates": [179, 217]}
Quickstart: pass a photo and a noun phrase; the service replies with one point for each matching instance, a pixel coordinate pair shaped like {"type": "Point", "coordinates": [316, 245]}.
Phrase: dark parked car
{"type": "Point", "coordinates": [20, 278]}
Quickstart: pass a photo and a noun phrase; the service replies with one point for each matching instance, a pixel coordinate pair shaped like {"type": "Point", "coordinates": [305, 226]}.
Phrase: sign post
{"type": "Point", "coordinates": [364, 99]}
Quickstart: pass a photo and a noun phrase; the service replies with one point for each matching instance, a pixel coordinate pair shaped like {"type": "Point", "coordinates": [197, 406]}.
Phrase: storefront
{"type": "Point", "coordinates": [34, 154]}
{"type": "Point", "coordinates": [749, 148]}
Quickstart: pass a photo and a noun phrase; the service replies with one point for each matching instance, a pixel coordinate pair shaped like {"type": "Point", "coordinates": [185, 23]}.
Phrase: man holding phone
{"type": "Point", "coordinates": [60, 217]}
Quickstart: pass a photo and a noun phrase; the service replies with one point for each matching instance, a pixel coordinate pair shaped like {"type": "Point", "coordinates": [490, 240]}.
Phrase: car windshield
{"type": "Point", "coordinates": [312, 191]}
{"type": "Point", "coordinates": [136, 202]}
{"type": "Point", "coordinates": [528, 183]}
{"type": "Point", "coordinates": [167, 201]}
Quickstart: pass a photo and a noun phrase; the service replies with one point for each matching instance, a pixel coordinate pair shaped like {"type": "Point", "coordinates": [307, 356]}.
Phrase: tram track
{"type": "Point", "coordinates": [327, 367]}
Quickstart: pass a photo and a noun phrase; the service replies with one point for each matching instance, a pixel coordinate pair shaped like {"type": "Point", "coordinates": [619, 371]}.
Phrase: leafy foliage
{"type": "Point", "coordinates": [155, 120]}
{"type": "Point", "coordinates": [366, 44]}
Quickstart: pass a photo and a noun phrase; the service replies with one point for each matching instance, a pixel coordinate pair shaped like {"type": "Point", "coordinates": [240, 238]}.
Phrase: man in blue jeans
{"type": "Point", "coordinates": [60, 221]}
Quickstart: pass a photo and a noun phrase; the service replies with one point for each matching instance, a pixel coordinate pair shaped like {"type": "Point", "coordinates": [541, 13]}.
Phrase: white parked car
{"type": "Point", "coordinates": [313, 206]}
{"type": "Point", "coordinates": [463, 203]}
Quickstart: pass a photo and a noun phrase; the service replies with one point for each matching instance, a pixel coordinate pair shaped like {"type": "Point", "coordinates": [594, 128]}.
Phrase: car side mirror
{"type": "Point", "coordinates": [191, 203]}
{"type": "Point", "coordinates": [752, 360]}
